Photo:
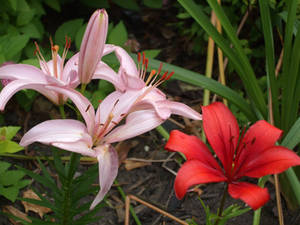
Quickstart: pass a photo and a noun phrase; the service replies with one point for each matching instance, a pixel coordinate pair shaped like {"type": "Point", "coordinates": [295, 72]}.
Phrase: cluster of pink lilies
{"type": "Point", "coordinates": [139, 102]}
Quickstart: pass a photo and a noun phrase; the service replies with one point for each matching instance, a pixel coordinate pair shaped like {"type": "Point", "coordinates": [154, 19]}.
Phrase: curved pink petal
{"type": "Point", "coordinates": [273, 160]}
{"type": "Point", "coordinates": [251, 194]}
{"type": "Point", "coordinates": [179, 108]}
{"type": "Point", "coordinates": [194, 172]}
{"type": "Point", "coordinates": [222, 132]}
{"type": "Point", "coordinates": [103, 71]}
{"type": "Point", "coordinates": [23, 72]}
{"type": "Point", "coordinates": [92, 45]}
{"type": "Point", "coordinates": [192, 147]}
{"type": "Point", "coordinates": [60, 131]}
{"type": "Point", "coordinates": [259, 137]}
{"type": "Point", "coordinates": [70, 72]}
{"type": "Point", "coordinates": [84, 106]}
{"type": "Point", "coordinates": [137, 123]}
{"type": "Point", "coordinates": [108, 170]}
{"type": "Point", "coordinates": [81, 147]}
{"type": "Point", "coordinates": [49, 69]}
{"type": "Point", "coordinates": [129, 81]}
{"type": "Point", "coordinates": [14, 86]}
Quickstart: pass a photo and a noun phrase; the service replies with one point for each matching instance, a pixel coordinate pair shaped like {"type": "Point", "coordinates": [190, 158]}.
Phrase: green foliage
{"type": "Point", "coordinates": [6, 144]}
{"type": "Point", "coordinates": [118, 34]}
{"type": "Point", "coordinates": [26, 98]}
{"type": "Point", "coordinates": [64, 199]}
{"type": "Point", "coordinates": [11, 181]}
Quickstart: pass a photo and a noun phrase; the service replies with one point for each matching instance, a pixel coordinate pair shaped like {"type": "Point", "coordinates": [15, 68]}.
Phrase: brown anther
{"type": "Point", "coordinates": [99, 100]}
{"type": "Point", "coordinates": [146, 64]}
{"type": "Point", "coordinates": [88, 108]}
{"type": "Point", "coordinates": [55, 48]}
{"type": "Point", "coordinates": [139, 57]}
{"type": "Point", "coordinates": [164, 75]}
{"type": "Point", "coordinates": [159, 69]}
{"type": "Point", "coordinates": [144, 58]}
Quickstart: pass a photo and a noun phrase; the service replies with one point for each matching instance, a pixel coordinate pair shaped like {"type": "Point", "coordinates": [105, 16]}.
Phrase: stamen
{"type": "Point", "coordinates": [54, 51]}
{"type": "Point", "coordinates": [40, 57]}
{"type": "Point", "coordinates": [150, 76]}
{"type": "Point", "coordinates": [88, 108]}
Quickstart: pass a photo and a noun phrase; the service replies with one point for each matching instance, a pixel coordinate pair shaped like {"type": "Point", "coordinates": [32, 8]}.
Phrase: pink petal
{"type": "Point", "coordinates": [259, 137]}
{"type": "Point", "coordinates": [192, 147]}
{"type": "Point", "coordinates": [108, 170]}
{"type": "Point", "coordinates": [55, 131]}
{"type": "Point", "coordinates": [84, 106]}
{"type": "Point", "coordinates": [103, 71]}
{"type": "Point", "coordinates": [82, 147]}
{"type": "Point", "coordinates": [92, 45]}
{"type": "Point", "coordinates": [23, 72]}
{"type": "Point", "coordinates": [70, 72]}
{"type": "Point", "coordinates": [14, 86]}
{"type": "Point", "coordinates": [49, 69]}
{"type": "Point", "coordinates": [181, 109]}
{"type": "Point", "coordinates": [137, 123]}
{"type": "Point", "coordinates": [273, 160]}
{"type": "Point", "coordinates": [195, 172]}
{"type": "Point", "coordinates": [253, 195]}
{"type": "Point", "coordinates": [222, 132]}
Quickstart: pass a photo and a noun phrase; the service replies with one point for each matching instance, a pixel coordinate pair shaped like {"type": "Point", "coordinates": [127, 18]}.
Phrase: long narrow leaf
{"type": "Point", "coordinates": [270, 57]}
{"type": "Point", "coordinates": [246, 73]}
{"type": "Point", "coordinates": [210, 84]}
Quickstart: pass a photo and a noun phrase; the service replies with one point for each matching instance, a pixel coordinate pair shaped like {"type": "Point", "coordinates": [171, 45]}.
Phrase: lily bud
{"type": "Point", "coordinates": [91, 49]}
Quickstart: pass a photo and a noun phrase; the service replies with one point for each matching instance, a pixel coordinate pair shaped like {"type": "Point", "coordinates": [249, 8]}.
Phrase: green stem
{"type": "Point", "coordinates": [67, 188]}
{"type": "Point", "coordinates": [62, 111]}
{"type": "Point", "coordinates": [222, 205]}
{"type": "Point", "coordinates": [163, 132]}
{"type": "Point", "coordinates": [137, 221]}
{"type": "Point", "coordinates": [64, 158]}
{"type": "Point", "coordinates": [83, 87]}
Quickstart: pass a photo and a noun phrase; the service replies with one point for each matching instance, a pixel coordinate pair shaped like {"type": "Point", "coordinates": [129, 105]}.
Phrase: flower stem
{"type": "Point", "coordinates": [82, 90]}
{"type": "Point", "coordinates": [62, 111]}
{"type": "Point", "coordinates": [220, 211]}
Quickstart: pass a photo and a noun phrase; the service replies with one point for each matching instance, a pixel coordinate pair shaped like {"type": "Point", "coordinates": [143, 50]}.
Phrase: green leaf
{"type": "Point", "coordinates": [11, 177]}
{"type": "Point", "coordinates": [10, 193]}
{"type": "Point", "coordinates": [128, 4]}
{"type": "Point", "coordinates": [293, 136]}
{"type": "Point", "coordinates": [118, 35]}
{"type": "Point", "coordinates": [54, 4]}
{"type": "Point", "coordinates": [9, 132]}
{"type": "Point", "coordinates": [68, 29]}
{"type": "Point", "coordinates": [96, 4]}
{"type": "Point", "coordinates": [152, 53]}
{"type": "Point", "coordinates": [25, 13]}
{"type": "Point", "coordinates": [9, 147]}
{"type": "Point", "coordinates": [4, 166]}
{"type": "Point", "coordinates": [237, 56]}
{"type": "Point", "coordinates": [210, 84]}
{"type": "Point", "coordinates": [156, 4]}
{"type": "Point", "coordinates": [13, 45]}
{"type": "Point", "coordinates": [26, 98]}
{"type": "Point", "coordinates": [31, 31]}
{"type": "Point", "coordinates": [33, 62]}
{"type": "Point", "coordinates": [13, 4]}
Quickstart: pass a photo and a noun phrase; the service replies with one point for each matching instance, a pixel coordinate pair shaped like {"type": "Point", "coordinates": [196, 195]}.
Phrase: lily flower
{"type": "Point", "coordinates": [92, 46]}
{"type": "Point", "coordinates": [94, 138]}
{"type": "Point", "coordinates": [133, 79]}
{"type": "Point", "coordinates": [251, 154]}
{"type": "Point", "coordinates": [53, 72]}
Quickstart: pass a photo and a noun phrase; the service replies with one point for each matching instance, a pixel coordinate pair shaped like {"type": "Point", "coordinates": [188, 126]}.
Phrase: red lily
{"type": "Point", "coordinates": [253, 154]}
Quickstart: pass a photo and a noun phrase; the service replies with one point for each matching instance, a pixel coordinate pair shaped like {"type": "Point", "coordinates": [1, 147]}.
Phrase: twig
{"type": "Point", "coordinates": [127, 205]}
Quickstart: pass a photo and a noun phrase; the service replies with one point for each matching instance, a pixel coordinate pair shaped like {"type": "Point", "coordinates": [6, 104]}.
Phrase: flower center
{"type": "Point", "coordinates": [54, 52]}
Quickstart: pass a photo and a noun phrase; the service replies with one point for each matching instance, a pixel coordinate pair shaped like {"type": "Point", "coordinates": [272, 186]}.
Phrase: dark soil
{"type": "Point", "coordinates": [153, 183]}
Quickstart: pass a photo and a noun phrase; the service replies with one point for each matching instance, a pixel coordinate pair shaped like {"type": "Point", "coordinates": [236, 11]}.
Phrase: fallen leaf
{"type": "Point", "coordinates": [123, 148]}
{"type": "Point", "coordinates": [41, 210]}
{"type": "Point", "coordinates": [12, 210]}
{"type": "Point", "coordinates": [132, 164]}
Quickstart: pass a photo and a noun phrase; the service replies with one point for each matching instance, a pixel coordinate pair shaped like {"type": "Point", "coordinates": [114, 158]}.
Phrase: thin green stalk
{"type": "Point", "coordinates": [163, 132]}
{"type": "Point", "coordinates": [220, 211]}
{"type": "Point", "coordinates": [122, 193]}
{"type": "Point", "coordinates": [83, 87]}
{"type": "Point", "coordinates": [62, 111]}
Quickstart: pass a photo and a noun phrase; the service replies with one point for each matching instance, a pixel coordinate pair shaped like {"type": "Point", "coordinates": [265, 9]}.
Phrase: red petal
{"type": "Point", "coordinates": [252, 194]}
{"type": "Point", "coordinates": [259, 137]}
{"type": "Point", "coordinates": [192, 147]}
{"type": "Point", "coordinates": [273, 160]}
{"type": "Point", "coordinates": [195, 172]}
{"type": "Point", "coordinates": [222, 132]}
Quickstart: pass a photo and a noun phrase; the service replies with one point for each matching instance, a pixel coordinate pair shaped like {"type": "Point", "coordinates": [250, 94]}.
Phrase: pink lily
{"type": "Point", "coordinates": [133, 79]}
{"type": "Point", "coordinates": [94, 138]}
{"type": "Point", "coordinates": [53, 73]}
{"type": "Point", "coordinates": [93, 42]}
